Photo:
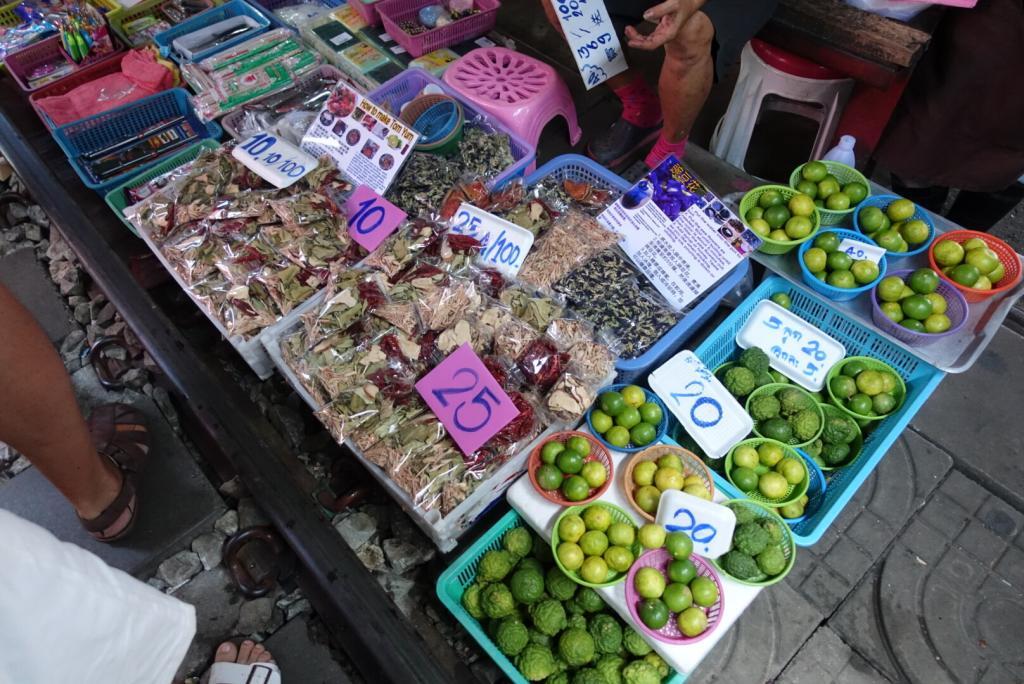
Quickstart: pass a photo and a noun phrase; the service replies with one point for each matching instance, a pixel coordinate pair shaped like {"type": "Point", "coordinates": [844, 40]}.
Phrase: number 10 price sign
{"type": "Point", "coordinates": [467, 399]}
{"type": "Point", "coordinates": [371, 218]}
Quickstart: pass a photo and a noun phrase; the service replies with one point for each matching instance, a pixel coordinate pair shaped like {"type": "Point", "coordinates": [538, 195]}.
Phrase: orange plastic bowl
{"type": "Point", "coordinates": [597, 453]}
{"type": "Point", "coordinates": [1009, 259]}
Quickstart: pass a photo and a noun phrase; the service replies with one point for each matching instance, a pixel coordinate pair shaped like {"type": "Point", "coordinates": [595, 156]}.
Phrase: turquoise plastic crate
{"type": "Point", "coordinates": [921, 378]}
{"type": "Point", "coordinates": [583, 170]}
{"type": "Point", "coordinates": [460, 574]}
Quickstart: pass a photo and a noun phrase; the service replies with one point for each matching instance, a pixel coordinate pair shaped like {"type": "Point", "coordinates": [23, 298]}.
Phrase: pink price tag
{"type": "Point", "coordinates": [467, 399]}
{"type": "Point", "coordinates": [371, 218]}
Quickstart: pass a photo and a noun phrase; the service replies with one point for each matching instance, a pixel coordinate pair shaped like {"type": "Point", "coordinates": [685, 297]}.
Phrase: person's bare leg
{"type": "Point", "coordinates": [686, 76]}
{"type": "Point", "coordinates": [40, 418]}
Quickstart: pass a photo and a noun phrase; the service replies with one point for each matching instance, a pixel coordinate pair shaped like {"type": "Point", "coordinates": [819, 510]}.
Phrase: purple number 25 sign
{"type": "Point", "coordinates": [467, 399]}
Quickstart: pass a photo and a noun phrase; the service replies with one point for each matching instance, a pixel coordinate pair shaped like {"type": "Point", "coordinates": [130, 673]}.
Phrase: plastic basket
{"type": "Point", "coordinates": [788, 546]}
{"type": "Point", "coordinates": [48, 50]}
{"type": "Point", "coordinates": [856, 446]}
{"type": "Point", "coordinates": [367, 9]}
{"type": "Point", "coordinates": [839, 294]}
{"type": "Point", "coordinates": [117, 200]}
{"type": "Point", "coordinates": [619, 515]}
{"type": "Point", "coordinates": [844, 174]}
{"type": "Point", "coordinates": [870, 364]}
{"type": "Point", "coordinates": [956, 310]}
{"type": "Point", "coordinates": [597, 453]}
{"type": "Point", "coordinates": [793, 492]}
{"type": "Point", "coordinates": [101, 131]}
{"type": "Point", "coordinates": [670, 633]}
{"type": "Point", "coordinates": [462, 572]}
{"type": "Point", "coordinates": [124, 15]}
{"type": "Point", "coordinates": [1009, 259]}
{"type": "Point", "coordinates": [235, 8]}
{"type": "Point", "coordinates": [274, 5]}
{"type": "Point", "coordinates": [691, 462]}
{"type": "Point", "coordinates": [920, 377]}
{"type": "Point", "coordinates": [408, 84]}
{"type": "Point", "coordinates": [768, 245]}
{"type": "Point", "coordinates": [883, 201]}
{"type": "Point", "coordinates": [232, 120]}
{"type": "Point", "coordinates": [651, 397]}
{"type": "Point", "coordinates": [394, 12]}
{"type": "Point", "coordinates": [772, 388]}
{"type": "Point", "coordinates": [8, 17]}
{"type": "Point", "coordinates": [584, 170]}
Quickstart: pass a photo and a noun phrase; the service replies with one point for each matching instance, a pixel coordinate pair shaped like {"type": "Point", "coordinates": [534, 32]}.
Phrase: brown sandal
{"type": "Point", "coordinates": [119, 432]}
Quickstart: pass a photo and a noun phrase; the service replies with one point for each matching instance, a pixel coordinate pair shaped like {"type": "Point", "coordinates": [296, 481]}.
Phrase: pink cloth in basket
{"type": "Point", "coordinates": [141, 76]}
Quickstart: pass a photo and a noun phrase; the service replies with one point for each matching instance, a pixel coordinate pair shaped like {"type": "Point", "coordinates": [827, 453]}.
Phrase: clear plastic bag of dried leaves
{"type": "Point", "coordinates": [570, 241]}
{"type": "Point", "coordinates": [440, 308]}
{"type": "Point", "coordinates": [533, 307]}
{"type": "Point", "coordinates": [349, 296]}
{"type": "Point", "coordinates": [248, 308]}
{"type": "Point", "coordinates": [401, 248]}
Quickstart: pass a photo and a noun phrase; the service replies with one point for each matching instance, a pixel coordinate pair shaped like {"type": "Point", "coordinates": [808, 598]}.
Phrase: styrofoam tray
{"type": "Point", "coordinates": [541, 514]}
{"type": "Point", "coordinates": [797, 349]}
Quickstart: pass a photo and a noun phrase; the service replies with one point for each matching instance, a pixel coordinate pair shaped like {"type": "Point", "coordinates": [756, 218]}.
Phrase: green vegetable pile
{"type": "Point", "coordinates": [552, 629]}
{"type": "Point", "coordinates": [833, 448]}
{"type": "Point", "coordinates": [789, 415]}
{"type": "Point", "coordinates": [750, 372]}
{"type": "Point", "coordinates": [757, 547]}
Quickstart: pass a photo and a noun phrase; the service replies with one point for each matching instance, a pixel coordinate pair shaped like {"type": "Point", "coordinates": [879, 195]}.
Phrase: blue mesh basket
{"type": "Point", "coordinates": [408, 84]}
{"type": "Point", "coordinates": [921, 379]}
{"type": "Point", "coordinates": [838, 294]}
{"type": "Point", "coordinates": [584, 170]}
{"type": "Point", "coordinates": [883, 201]}
{"type": "Point", "coordinates": [437, 122]}
{"type": "Point", "coordinates": [631, 448]}
{"type": "Point", "coordinates": [113, 126]}
{"type": "Point", "coordinates": [234, 8]}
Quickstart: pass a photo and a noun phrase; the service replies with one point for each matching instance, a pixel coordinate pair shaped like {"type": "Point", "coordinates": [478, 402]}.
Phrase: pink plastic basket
{"type": "Point", "coordinates": [48, 50]}
{"type": "Point", "coordinates": [393, 12]}
{"type": "Point", "coordinates": [956, 309]}
{"type": "Point", "coordinates": [367, 10]}
{"type": "Point", "coordinates": [670, 634]}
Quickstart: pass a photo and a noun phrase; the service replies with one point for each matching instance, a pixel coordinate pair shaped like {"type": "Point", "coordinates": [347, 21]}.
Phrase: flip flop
{"type": "Point", "coordinates": [236, 673]}
{"type": "Point", "coordinates": [118, 432]}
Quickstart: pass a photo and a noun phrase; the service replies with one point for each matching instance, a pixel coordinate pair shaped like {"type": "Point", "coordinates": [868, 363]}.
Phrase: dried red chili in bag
{"type": "Point", "coordinates": [541, 363]}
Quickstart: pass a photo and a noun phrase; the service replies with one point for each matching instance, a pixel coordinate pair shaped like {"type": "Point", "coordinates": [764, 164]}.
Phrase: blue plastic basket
{"type": "Point", "coordinates": [110, 127]}
{"type": "Point", "coordinates": [274, 5]}
{"type": "Point", "coordinates": [461, 573]}
{"type": "Point", "coordinates": [234, 8]}
{"type": "Point", "coordinates": [408, 84]}
{"type": "Point", "coordinates": [882, 201]}
{"type": "Point", "coordinates": [920, 377]}
{"type": "Point", "coordinates": [838, 294]}
{"type": "Point", "coordinates": [584, 170]}
{"type": "Point", "coordinates": [651, 397]}
{"type": "Point", "coordinates": [437, 122]}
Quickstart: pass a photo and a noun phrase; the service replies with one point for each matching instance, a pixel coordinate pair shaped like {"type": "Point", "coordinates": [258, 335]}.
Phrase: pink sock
{"type": "Point", "coordinates": [662, 149]}
{"type": "Point", "coordinates": [640, 104]}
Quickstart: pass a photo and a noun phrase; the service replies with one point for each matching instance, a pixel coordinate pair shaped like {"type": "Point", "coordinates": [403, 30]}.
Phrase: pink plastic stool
{"type": "Point", "coordinates": [519, 91]}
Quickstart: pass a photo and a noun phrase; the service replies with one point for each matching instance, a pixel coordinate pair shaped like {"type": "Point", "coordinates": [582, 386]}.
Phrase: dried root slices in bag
{"type": "Point", "coordinates": [570, 397]}
{"type": "Point", "coordinates": [465, 330]}
{"type": "Point", "coordinates": [440, 308]}
{"type": "Point", "coordinates": [570, 241]}
{"type": "Point", "coordinates": [513, 337]}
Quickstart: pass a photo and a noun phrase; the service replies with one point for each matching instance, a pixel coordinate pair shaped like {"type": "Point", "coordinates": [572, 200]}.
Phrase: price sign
{"type": "Point", "coordinates": [796, 348]}
{"type": "Point", "coordinates": [592, 39]}
{"type": "Point", "coordinates": [707, 411]}
{"type": "Point", "coordinates": [467, 399]}
{"type": "Point", "coordinates": [371, 218]}
{"type": "Point", "coordinates": [708, 524]}
{"type": "Point", "coordinates": [505, 245]}
{"type": "Point", "coordinates": [861, 250]}
{"type": "Point", "coordinates": [276, 161]}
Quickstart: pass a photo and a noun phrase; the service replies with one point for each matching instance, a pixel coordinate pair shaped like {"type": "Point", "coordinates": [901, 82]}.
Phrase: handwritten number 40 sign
{"type": "Point", "coordinates": [591, 37]}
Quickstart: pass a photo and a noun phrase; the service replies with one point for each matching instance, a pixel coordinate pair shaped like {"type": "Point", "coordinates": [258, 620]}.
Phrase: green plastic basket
{"type": "Point", "coordinates": [793, 493]}
{"type": "Point", "coordinates": [619, 515]}
{"type": "Point", "coordinates": [872, 364]}
{"type": "Point", "coordinates": [768, 245]}
{"type": "Point", "coordinates": [788, 544]}
{"type": "Point", "coordinates": [774, 387]}
{"type": "Point", "coordinates": [856, 446]}
{"type": "Point", "coordinates": [461, 573]}
{"type": "Point", "coordinates": [844, 174]}
{"type": "Point", "coordinates": [118, 201]}
{"type": "Point", "coordinates": [122, 15]}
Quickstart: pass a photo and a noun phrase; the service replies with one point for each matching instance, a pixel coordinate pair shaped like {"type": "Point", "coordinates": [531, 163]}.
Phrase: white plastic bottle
{"type": "Point", "coordinates": [843, 152]}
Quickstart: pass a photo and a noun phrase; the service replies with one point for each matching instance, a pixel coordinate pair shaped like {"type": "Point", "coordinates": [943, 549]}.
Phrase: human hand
{"type": "Point", "coordinates": [668, 17]}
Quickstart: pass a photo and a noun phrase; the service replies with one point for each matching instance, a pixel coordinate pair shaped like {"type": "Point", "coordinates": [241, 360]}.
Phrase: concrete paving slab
{"type": "Point", "coordinates": [826, 658]}
{"type": "Point", "coordinates": [970, 413]}
{"type": "Point", "coordinates": [760, 645]}
{"type": "Point", "coordinates": [944, 608]}
{"type": "Point", "coordinates": [23, 275]}
{"type": "Point", "coordinates": [303, 658]}
{"type": "Point", "coordinates": [826, 572]}
{"type": "Point", "coordinates": [176, 501]}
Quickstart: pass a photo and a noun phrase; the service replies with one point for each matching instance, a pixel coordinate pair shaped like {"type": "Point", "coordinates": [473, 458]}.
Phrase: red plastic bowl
{"type": "Point", "coordinates": [597, 453]}
{"type": "Point", "coordinates": [1009, 259]}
